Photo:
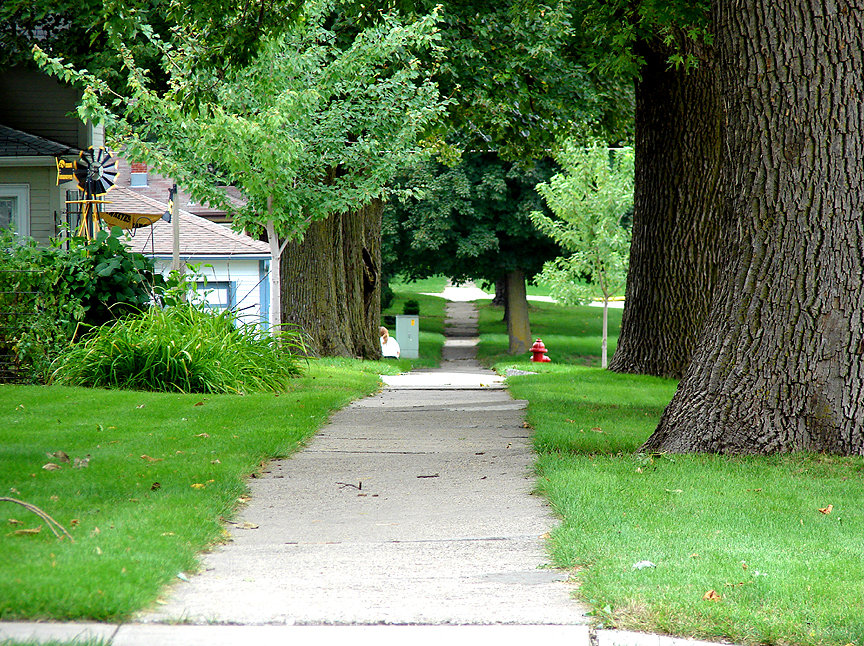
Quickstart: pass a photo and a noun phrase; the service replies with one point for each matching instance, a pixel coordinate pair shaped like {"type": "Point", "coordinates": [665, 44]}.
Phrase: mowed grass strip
{"type": "Point", "coordinates": [754, 550]}
{"type": "Point", "coordinates": [164, 470]}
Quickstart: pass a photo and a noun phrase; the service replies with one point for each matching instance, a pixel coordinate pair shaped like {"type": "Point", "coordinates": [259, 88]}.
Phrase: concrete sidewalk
{"type": "Point", "coordinates": [412, 506]}
{"type": "Point", "coordinates": [409, 517]}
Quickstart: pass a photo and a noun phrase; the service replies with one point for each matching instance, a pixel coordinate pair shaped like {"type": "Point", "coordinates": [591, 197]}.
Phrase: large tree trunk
{"type": "Point", "coordinates": [779, 366]}
{"type": "Point", "coordinates": [678, 231]}
{"type": "Point", "coordinates": [518, 325]}
{"type": "Point", "coordinates": [331, 284]}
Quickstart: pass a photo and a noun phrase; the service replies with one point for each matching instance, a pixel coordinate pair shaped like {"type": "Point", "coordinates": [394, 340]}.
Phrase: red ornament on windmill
{"type": "Point", "coordinates": [538, 352]}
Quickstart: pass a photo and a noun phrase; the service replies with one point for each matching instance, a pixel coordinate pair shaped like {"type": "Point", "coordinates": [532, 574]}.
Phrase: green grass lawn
{"type": "Point", "coordinates": [164, 470]}
{"type": "Point", "coordinates": [747, 528]}
{"type": "Point", "coordinates": [573, 335]}
{"type": "Point", "coordinates": [431, 285]}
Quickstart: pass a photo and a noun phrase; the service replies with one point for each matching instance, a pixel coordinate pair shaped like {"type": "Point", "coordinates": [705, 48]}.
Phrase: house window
{"type": "Point", "coordinates": [137, 175]}
{"type": "Point", "coordinates": [137, 180]}
{"type": "Point", "coordinates": [15, 207]}
{"type": "Point", "coordinates": [219, 295]}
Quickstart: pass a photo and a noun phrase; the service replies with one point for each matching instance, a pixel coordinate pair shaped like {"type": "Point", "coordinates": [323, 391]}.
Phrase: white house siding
{"type": "Point", "coordinates": [244, 274]}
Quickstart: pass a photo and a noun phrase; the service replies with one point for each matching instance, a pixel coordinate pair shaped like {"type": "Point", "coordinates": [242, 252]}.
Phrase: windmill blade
{"type": "Point", "coordinates": [109, 173]}
{"type": "Point", "coordinates": [96, 171]}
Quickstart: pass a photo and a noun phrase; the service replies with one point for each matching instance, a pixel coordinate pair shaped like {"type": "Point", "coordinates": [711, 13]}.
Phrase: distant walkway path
{"type": "Point", "coordinates": [470, 292]}
{"type": "Point", "coordinates": [412, 506]}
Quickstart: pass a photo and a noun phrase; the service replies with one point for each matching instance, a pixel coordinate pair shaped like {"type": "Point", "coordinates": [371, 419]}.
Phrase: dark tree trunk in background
{"type": "Point", "coordinates": [679, 233]}
{"type": "Point", "coordinates": [518, 325]}
{"type": "Point", "coordinates": [779, 366]}
{"type": "Point", "coordinates": [331, 284]}
{"type": "Point", "coordinates": [500, 292]}
{"type": "Point", "coordinates": [500, 299]}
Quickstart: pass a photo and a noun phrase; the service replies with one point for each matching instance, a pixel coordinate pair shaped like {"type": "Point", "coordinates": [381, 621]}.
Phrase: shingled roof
{"type": "Point", "coordinates": [15, 143]}
{"type": "Point", "coordinates": [198, 236]}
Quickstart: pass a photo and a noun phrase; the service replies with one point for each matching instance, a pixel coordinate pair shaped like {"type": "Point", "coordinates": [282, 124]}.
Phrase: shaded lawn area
{"type": "Point", "coordinates": [164, 470]}
{"type": "Point", "coordinates": [749, 529]}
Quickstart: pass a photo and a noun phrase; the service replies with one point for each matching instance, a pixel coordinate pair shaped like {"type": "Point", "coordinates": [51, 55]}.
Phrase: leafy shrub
{"type": "Point", "coordinates": [182, 348]}
{"type": "Point", "coordinates": [46, 292]}
{"type": "Point", "coordinates": [411, 306]}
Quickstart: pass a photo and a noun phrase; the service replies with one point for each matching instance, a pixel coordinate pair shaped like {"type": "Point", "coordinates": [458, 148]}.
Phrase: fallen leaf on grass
{"type": "Point", "coordinates": [140, 406]}
{"type": "Point", "coordinates": [51, 466]}
{"type": "Point", "coordinates": [199, 403]}
{"type": "Point", "coordinates": [203, 435]}
{"type": "Point", "coordinates": [25, 532]}
{"type": "Point", "coordinates": [60, 455]}
{"type": "Point", "coordinates": [197, 485]}
{"type": "Point", "coordinates": [711, 595]}
{"type": "Point", "coordinates": [826, 510]}
{"type": "Point", "coordinates": [597, 429]}
{"type": "Point", "coordinates": [155, 486]}
{"type": "Point", "coordinates": [149, 459]}
{"type": "Point", "coordinates": [81, 463]}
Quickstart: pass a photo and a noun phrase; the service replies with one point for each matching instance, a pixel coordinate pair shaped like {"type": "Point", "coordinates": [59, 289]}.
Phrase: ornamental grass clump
{"type": "Point", "coordinates": [182, 348]}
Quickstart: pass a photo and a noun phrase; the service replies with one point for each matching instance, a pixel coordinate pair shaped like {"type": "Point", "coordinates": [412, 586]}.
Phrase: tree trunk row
{"type": "Point", "coordinates": [679, 229]}
{"type": "Point", "coordinates": [779, 364]}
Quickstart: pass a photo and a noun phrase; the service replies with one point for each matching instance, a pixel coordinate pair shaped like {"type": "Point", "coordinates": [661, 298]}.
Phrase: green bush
{"type": "Point", "coordinates": [181, 348]}
{"type": "Point", "coordinates": [411, 306]}
{"type": "Point", "coordinates": [47, 291]}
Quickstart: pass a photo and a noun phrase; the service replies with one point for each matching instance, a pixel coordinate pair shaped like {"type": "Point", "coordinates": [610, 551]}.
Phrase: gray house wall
{"type": "Point", "coordinates": [41, 105]}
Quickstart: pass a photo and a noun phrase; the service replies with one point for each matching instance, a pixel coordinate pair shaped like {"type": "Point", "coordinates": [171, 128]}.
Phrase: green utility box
{"type": "Point", "coordinates": [408, 335]}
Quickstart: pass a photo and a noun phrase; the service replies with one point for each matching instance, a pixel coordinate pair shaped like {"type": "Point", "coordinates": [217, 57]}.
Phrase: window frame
{"type": "Point", "coordinates": [21, 192]}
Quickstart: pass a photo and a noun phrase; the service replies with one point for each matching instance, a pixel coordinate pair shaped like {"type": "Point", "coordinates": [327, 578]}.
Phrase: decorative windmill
{"type": "Point", "coordinates": [95, 170]}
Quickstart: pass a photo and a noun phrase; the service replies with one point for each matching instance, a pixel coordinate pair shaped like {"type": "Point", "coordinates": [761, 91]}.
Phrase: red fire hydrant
{"type": "Point", "coordinates": [538, 351]}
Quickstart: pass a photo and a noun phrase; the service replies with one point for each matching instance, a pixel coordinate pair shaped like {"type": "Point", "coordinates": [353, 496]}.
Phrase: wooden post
{"type": "Point", "coordinates": [175, 227]}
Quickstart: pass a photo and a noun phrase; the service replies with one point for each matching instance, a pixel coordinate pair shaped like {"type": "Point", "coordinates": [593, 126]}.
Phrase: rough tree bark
{"type": "Point", "coordinates": [678, 232]}
{"type": "Point", "coordinates": [331, 284]}
{"type": "Point", "coordinates": [518, 325]}
{"type": "Point", "coordinates": [500, 299]}
{"type": "Point", "coordinates": [779, 366]}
